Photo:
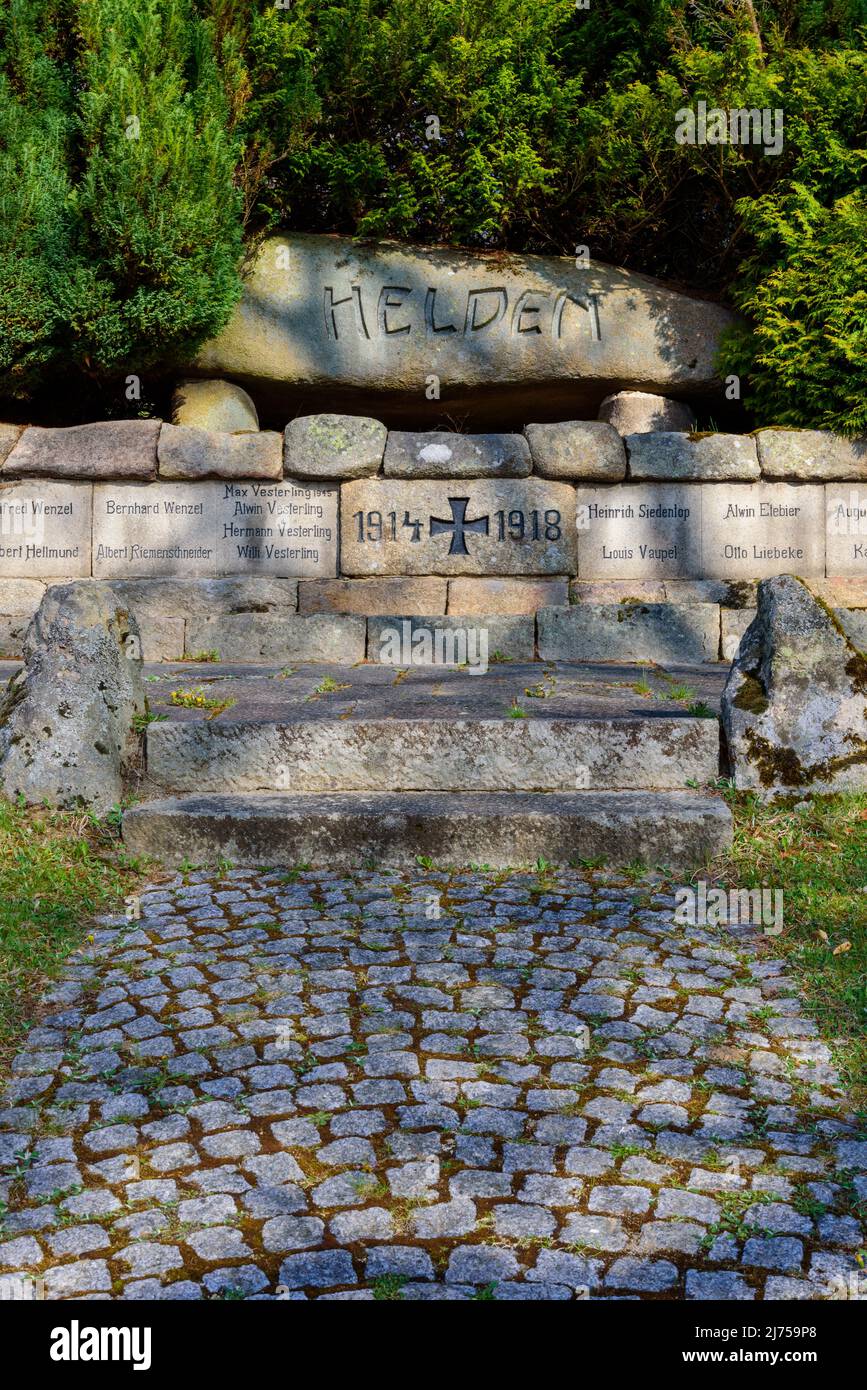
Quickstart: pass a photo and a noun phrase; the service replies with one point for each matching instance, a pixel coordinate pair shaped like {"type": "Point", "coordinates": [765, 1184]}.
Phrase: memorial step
{"type": "Point", "coordinates": [519, 727]}
{"type": "Point", "coordinates": [675, 830]}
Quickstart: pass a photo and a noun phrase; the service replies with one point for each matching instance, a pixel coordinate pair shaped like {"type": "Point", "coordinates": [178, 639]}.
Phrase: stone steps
{"type": "Point", "coordinates": [432, 754]}
{"type": "Point", "coordinates": [676, 830]}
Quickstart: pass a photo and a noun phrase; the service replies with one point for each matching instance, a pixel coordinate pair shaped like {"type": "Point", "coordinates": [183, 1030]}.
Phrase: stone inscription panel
{"type": "Point", "coordinates": [756, 530]}
{"type": "Point", "coordinates": [846, 512]}
{"type": "Point", "coordinates": [285, 529]}
{"type": "Point", "coordinates": [639, 532]}
{"type": "Point", "coordinates": [153, 529]}
{"type": "Point", "coordinates": [45, 529]}
{"type": "Point", "coordinates": [282, 529]}
{"type": "Point", "coordinates": [470, 526]}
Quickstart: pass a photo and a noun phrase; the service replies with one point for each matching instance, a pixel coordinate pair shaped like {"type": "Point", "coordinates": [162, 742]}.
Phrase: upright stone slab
{"type": "Point", "coordinates": [757, 530]}
{"type": "Point", "coordinates": [846, 531]}
{"type": "Point", "coordinates": [472, 526]}
{"type": "Point", "coordinates": [794, 707]}
{"type": "Point", "coordinates": [45, 530]}
{"type": "Point", "coordinates": [326, 318]}
{"type": "Point", "coordinates": [155, 529]}
{"type": "Point", "coordinates": [639, 532]}
{"type": "Point", "coordinates": [286, 529]}
{"type": "Point", "coordinates": [66, 721]}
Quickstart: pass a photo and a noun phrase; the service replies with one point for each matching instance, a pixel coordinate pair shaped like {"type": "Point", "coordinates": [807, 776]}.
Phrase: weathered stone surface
{"type": "Point", "coordinates": [727, 593]}
{"type": "Point", "coordinates": [373, 597]}
{"type": "Point", "coordinates": [20, 596]}
{"type": "Point", "coordinates": [734, 623]}
{"type": "Point", "coordinates": [162, 639]}
{"type": "Point", "coordinates": [660, 632]}
{"type": "Point", "coordinates": [220, 406]}
{"type": "Point", "coordinates": [846, 538]}
{"type": "Point", "coordinates": [446, 454]}
{"type": "Point", "coordinates": [608, 591]}
{"type": "Point", "coordinates": [9, 436]}
{"type": "Point", "coordinates": [185, 451]}
{"type": "Point", "coordinates": [841, 592]}
{"type": "Point", "coordinates": [760, 530]}
{"type": "Point", "coordinates": [388, 526]}
{"type": "Point", "coordinates": [327, 316]}
{"type": "Point", "coordinates": [66, 721]}
{"type": "Point", "coordinates": [287, 529]}
{"type": "Point", "coordinates": [639, 531]}
{"type": "Point", "coordinates": [152, 599]}
{"type": "Point", "coordinates": [45, 529]}
{"type": "Point", "coordinates": [197, 530]}
{"type": "Point", "coordinates": [638, 412]}
{"type": "Point", "coordinates": [452, 640]}
{"type": "Point", "coordinates": [814, 456]}
{"type": "Point", "coordinates": [854, 624]}
{"type": "Point", "coordinates": [486, 596]}
{"type": "Point", "coordinates": [293, 637]}
{"type": "Point", "coordinates": [670, 457]}
{"type": "Point", "coordinates": [107, 449]}
{"type": "Point", "coordinates": [410, 749]}
{"type": "Point", "coordinates": [618, 827]}
{"type": "Point", "coordinates": [794, 705]}
{"type": "Point", "coordinates": [333, 446]}
{"type": "Point", "coordinates": [577, 449]}
{"type": "Point", "coordinates": [165, 528]}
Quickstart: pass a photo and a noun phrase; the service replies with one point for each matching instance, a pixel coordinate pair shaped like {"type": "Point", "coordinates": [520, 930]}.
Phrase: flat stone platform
{"type": "Point", "coordinates": [311, 692]}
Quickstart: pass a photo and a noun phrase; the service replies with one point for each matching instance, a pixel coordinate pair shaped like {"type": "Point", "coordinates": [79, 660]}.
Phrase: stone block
{"type": "Point", "coordinates": [760, 530]}
{"type": "Point", "coordinates": [45, 529]}
{"type": "Point", "coordinates": [446, 454]}
{"type": "Point", "coordinates": [487, 596]}
{"type": "Point", "coordinates": [107, 449]}
{"type": "Point", "coordinates": [670, 457]}
{"type": "Point", "coordinates": [639, 531]}
{"type": "Point", "coordinates": [729, 593]}
{"type": "Point", "coordinates": [286, 529]}
{"type": "Point", "coordinates": [333, 446]}
{"type": "Point", "coordinates": [186, 452]}
{"type": "Point", "coordinates": [638, 412]}
{"type": "Point", "coordinates": [733, 624]}
{"type": "Point", "coordinates": [451, 641]}
{"type": "Point", "coordinates": [20, 596]}
{"type": "Point", "coordinates": [841, 592]}
{"type": "Point", "coordinates": [164, 528]}
{"type": "Point", "coordinates": [658, 632]}
{"type": "Point", "coordinates": [214, 405]}
{"type": "Point", "coordinates": [162, 639]}
{"type": "Point", "coordinates": [577, 449]}
{"type": "Point", "coordinates": [846, 531]}
{"type": "Point", "coordinates": [812, 456]}
{"type": "Point", "coordinates": [617, 590]}
{"type": "Point", "coordinates": [296, 637]}
{"type": "Point", "coordinates": [324, 316]}
{"type": "Point", "coordinates": [153, 599]}
{"type": "Point", "coordinates": [373, 597]}
{"type": "Point", "coordinates": [484, 526]}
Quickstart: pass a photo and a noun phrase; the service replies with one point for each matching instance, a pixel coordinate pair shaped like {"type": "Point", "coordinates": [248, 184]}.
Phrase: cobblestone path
{"type": "Point", "coordinates": [427, 1086]}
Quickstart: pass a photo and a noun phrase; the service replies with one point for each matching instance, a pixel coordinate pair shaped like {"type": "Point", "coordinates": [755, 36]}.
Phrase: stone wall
{"type": "Point", "coordinates": [340, 516]}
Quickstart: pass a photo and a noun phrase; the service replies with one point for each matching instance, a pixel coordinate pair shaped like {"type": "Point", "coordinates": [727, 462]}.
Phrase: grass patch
{"type": "Point", "coordinates": [817, 856]}
{"type": "Point", "coordinates": [57, 870]}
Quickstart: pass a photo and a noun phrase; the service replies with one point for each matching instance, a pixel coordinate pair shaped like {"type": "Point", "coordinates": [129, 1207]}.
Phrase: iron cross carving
{"type": "Point", "coordinates": [459, 525]}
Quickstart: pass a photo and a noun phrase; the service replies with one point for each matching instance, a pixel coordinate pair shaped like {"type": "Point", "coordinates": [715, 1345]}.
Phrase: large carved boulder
{"type": "Point", "coordinates": [795, 704]}
{"type": "Point", "coordinates": [407, 333]}
{"type": "Point", "coordinates": [66, 720]}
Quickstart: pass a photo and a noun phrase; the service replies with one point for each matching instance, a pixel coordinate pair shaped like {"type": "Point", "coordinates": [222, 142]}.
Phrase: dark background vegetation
{"type": "Point", "coordinates": [121, 255]}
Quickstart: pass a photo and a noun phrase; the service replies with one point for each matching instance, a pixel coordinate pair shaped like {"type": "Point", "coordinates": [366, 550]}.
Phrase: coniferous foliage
{"type": "Point", "coordinates": [526, 125]}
